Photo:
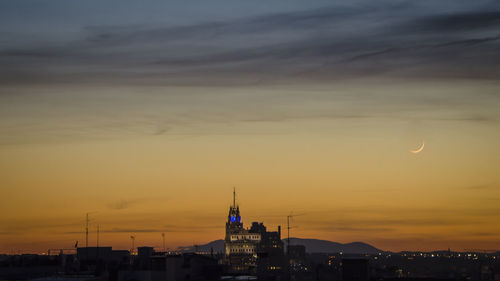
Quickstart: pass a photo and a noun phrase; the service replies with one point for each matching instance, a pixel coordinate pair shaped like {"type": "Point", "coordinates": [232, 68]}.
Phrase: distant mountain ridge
{"type": "Point", "coordinates": [312, 246]}
{"type": "Point", "coordinates": [325, 246]}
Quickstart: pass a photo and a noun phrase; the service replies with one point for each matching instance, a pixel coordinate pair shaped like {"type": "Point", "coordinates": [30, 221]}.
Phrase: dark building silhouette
{"type": "Point", "coordinates": [270, 255]}
{"type": "Point", "coordinates": [297, 257]}
{"type": "Point", "coordinates": [174, 267]}
{"type": "Point", "coordinates": [355, 269]}
{"type": "Point", "coordinates": [106, 254]}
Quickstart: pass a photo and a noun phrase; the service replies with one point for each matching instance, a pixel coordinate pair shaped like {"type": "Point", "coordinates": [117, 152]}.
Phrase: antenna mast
{"type": "Point", "coordinates": [87, 231]}
{"type": "Point", "coordinates": [234, 197]}
{"type": "Point", "coordinates": [97, 244]}
{"type": "Point", "coordinates": [288, 234]}
{"type": "Point", "coordinates": [163, 236]}
{"type": "Point", "coordinates": [97, 236]}
{"type": "Point", "coordinates": [288, 246]}
{"type": "Point", "coordinates": [133, 244]}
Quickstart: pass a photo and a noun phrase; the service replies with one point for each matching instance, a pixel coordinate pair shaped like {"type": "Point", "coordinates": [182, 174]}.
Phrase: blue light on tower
{"type": "Point", "coordinates": [233, 218]}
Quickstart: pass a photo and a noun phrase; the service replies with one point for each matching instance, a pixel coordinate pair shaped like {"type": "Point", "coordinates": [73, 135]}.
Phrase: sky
{"type": "Point", "coordinates": [146, 115]}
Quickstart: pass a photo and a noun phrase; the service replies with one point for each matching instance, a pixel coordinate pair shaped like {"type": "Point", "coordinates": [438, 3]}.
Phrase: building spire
{"type": "Point", "coordinates": [234, 197]}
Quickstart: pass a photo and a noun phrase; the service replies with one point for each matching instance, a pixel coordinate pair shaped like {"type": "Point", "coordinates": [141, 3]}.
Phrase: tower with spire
{"type": "Point", "coordinates": [240, 244]}
{"type": "Point", "coordinates": [233, 224]}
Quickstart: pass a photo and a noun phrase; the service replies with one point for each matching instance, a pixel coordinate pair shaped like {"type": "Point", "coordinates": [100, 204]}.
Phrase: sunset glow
{"type": "Point", "coordinates": [147, 121]}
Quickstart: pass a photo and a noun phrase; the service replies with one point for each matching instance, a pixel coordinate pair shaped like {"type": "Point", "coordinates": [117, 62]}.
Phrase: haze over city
{"type": "Point", "coordinates": [146, 116]}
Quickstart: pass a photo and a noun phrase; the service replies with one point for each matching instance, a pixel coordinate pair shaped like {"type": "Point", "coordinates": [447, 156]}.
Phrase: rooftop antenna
{"type": "Point", "coordinates": [133, 243]}
{"type": "Point", "coordinates": [97, 243]}
{"type": "Point", "coordinates": [163, 236]}
{"type": "Point", "coordinates": [97, 236]}
{"type": "Point", "coordinates": [288, 233]}
{"type": "Point", "coordinates": [87, 231]}
{"type": "Point", "coordinates": [288, 244]}
{"type": "Point", "coordinates": [288, 227]}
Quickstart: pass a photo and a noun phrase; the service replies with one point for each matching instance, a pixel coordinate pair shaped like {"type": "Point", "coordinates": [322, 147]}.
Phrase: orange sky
{"type": "Point", "coordinates": [143, 164]}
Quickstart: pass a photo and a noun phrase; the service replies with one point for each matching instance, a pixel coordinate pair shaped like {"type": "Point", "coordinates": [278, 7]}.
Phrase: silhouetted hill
{"type": "Point", "coordinates": [218, 246]}
{"type": "Point", "coordinates": [325, 246]}
{"type": "Point", "coordinates": [312, 246]}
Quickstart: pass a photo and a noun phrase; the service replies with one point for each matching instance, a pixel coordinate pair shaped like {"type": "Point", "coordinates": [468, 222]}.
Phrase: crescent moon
{"type": "Point", "coordinates": [419, 149]}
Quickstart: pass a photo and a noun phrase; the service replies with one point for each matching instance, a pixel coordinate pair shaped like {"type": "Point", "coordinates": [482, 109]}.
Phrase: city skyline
{"type": "Point", "coordinates": [146, 117]}
{"type": "Point", "coordinates": [120, 237]}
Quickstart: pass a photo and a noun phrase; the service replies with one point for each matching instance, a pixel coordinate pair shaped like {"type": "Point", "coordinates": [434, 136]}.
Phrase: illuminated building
{"type": "Point", "coordinates": [240, 244]}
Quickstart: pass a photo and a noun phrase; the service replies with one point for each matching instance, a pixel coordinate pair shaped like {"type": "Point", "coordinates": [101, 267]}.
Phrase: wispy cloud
{"type": "Point", "coordinates": [123, 204]}
{"type": "Point", "coordinates": [116, 80]}
{"type": "Point", "coordinates": [481, 186]}
{"type": "Point", "coordinates": [339, 41]}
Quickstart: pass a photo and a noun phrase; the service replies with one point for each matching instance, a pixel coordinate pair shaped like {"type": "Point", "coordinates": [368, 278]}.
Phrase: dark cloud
{"type": "Point", "coordinates": [459, 22]}
{"type": "Point", "coordinates": [132, 230]}
{"type": "Point", "coordinates": [354, 229]}
{"type": "Point", "coordinates": [120, 205]}
{"type": "Point", "coordinates": [123, 204]}
{"type": "Point", "coordinates": [469, 118]}
{"type": "Point", "coordinates": [386, 224]}
{"type": "Point", "coordinates": [119, 230]}
{"type": "Point", "coordinates": [339, 41]}
{"type": "Point", "coordinates": [484, 234]}
{"type": "Point", "coordinates": [167, 229]}
{"type": "Point", "coordinates": [480, 187]}
{"type": "Point", "coordinates": [94, 82]}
